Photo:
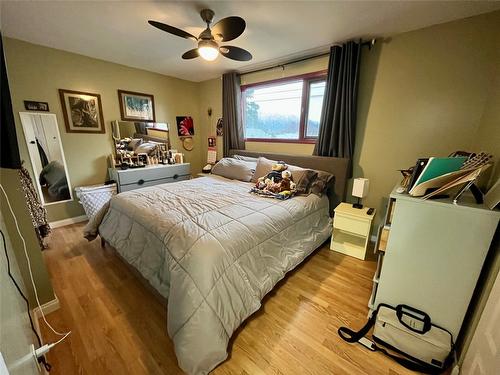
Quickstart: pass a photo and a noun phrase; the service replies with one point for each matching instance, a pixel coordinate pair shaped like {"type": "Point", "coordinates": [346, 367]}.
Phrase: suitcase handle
{"type": "Point", "coordinates": [402, 310]}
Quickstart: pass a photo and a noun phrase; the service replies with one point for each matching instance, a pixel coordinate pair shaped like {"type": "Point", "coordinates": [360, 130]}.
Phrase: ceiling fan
{"type": "Point", "coordinates": [226, 29]}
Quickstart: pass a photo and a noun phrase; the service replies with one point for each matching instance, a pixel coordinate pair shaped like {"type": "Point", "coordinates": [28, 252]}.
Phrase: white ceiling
{"type": "Point", "coordinates": [118, 31]}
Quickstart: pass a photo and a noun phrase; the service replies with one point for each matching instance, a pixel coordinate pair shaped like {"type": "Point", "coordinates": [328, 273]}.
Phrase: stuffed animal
{"type": "Point", "coordinates": [272, 177]}
{"type": "Point", "coordinates": [285, 184]}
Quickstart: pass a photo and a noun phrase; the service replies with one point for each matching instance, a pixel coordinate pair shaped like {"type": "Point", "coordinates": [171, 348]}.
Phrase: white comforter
{"type": "Point", "coordinates": [214, 250]}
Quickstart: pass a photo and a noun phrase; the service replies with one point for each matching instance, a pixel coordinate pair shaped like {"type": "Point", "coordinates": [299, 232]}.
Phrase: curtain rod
{"type": "Point", "coordinates": [368, 43]}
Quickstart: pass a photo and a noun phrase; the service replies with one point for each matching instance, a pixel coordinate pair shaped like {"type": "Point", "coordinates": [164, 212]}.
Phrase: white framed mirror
{"type": "Point", "coordinates": [47, 157]}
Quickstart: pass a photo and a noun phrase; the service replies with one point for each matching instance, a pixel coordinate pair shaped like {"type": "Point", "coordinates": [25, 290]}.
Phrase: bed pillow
{"type": "Point", "coordinates": [146, 147]}
{"type": "Point", "coordinates": [246, 158]}
{"type": "Point", "coordinates": [235, 169]}
{"type": "Point", "coordinates": [304, 178]}
{"type": "Point", "coordinates": [264, 166]}
{"type": "Point", "coordinates": [301, 176]}
{"type": "Point", "coordinates": [323, 181]}
{"type": "Point", "coordinates": [134, 143]}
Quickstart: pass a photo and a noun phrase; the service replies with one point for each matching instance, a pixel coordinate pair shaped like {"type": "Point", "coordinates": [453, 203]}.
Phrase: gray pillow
{"type": "Point", "coordinates": [264, 166]}
{"type": "Point", "coordinates": [146, 147]}
{"type": "Point", "coordinates": [304, 179]}
{"type": "Point", "coordinates": [134, 143]}
{"type": "Point", "coordinates": [246, 158]}
{"type": "Point", "coordinates": [235, 169]}
{"type": "Point", "coordinates": [323, 181]}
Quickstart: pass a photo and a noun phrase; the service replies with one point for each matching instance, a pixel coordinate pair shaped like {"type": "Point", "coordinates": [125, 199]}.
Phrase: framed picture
{"type": "Point", "coordinates": [136, 106]}
{"type": "Point", "coordinates": [36, 106]}
{"type": "Point", "coordinates": [211, 142]}
{"type": "Point", "coordinates": [219, 127]}
{"type": "Point", "coordinates": [185, 126]}
{"type": "Point", "coordinates": [82, 111]}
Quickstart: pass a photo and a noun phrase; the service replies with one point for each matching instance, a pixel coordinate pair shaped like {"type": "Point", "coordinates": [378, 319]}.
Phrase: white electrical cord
{"type": "Point", "coordinates": [41, 351]}
{"type": "Point", "coordinates": [31, 274]}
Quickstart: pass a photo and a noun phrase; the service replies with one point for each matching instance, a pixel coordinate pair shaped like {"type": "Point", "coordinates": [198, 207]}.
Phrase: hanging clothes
{"type": "Point", "coordinates": [43, 156]}
{"type": "Point", "coordinates": [36, 210]}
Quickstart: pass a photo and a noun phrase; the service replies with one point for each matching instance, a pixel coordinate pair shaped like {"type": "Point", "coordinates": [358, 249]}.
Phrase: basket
{"type": "Point", "coordinates": [92, 198]}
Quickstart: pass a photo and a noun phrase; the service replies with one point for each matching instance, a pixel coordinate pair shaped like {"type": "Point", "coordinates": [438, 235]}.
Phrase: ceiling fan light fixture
{"type": "Point", "coordinates": [208, 49]}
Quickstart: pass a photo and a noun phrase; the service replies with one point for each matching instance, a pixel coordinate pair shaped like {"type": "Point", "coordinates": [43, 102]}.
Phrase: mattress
{"type": "Point", "coordinates": [213, 250]}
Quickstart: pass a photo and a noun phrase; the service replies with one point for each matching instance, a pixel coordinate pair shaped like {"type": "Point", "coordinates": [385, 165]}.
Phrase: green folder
{"type": "Point", "coordinates": [439, 166]}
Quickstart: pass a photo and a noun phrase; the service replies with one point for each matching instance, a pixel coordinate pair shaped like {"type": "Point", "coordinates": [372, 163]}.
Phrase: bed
{"type": "Point", "coordinates": [214, 250]}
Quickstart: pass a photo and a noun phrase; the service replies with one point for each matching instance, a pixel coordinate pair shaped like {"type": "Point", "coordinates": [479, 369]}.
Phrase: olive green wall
{"type": "Point", "coordinates": [36, 73]}
{"type": "Point", "coordinates": [429, 90]}
{"type": "Point", "coordinates": [9, 179]}
{"type": "Point", "coordinates": [210, 96]}
{"type": "Point", "coordinates": [425, 92]}
{"type": "Point", "coordinates": [488, 136]}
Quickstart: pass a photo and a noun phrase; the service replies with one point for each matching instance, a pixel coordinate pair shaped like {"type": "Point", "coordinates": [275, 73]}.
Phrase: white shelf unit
{"type": "Point", "coordinates": [434, 254]}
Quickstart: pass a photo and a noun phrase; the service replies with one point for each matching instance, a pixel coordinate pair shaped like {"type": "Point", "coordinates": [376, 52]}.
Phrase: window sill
{"type": "Point", "coordinates": [280, 140]}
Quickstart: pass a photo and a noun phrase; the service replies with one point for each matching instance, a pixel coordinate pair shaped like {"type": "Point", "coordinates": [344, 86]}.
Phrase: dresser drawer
{"type": "Point", "coordinates": [148, 174]}
{"type": "Point", "coordinates": [139, 185]}
{"type": "Point", "coordinates": [351, 224]}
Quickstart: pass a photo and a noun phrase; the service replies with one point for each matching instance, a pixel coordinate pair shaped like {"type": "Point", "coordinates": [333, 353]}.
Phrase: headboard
{"type": "Point", "coordinates": [336, 166]}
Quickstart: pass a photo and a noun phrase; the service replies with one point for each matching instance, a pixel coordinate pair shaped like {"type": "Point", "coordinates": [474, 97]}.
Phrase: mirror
{"type": "Point", "coordinates": [127, 129]}
{"type": "Point", "coordinates": [47, 157]}
{"type": "Point", "coordinates": [138, 144]}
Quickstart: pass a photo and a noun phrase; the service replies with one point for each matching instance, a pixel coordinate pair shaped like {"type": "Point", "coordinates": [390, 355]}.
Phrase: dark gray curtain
{"type": "Point", "coordinates": [233, 135]}
{"type": "Point", "coordinates": [338, 118]}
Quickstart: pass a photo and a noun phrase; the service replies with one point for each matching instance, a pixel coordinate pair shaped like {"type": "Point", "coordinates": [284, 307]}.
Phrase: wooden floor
{"type": "Point", "coordinates": [119, 326]}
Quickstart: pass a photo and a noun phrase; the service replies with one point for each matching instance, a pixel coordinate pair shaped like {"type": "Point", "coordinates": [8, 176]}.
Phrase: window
{"type": "Point", "coordinates": [284, 110]}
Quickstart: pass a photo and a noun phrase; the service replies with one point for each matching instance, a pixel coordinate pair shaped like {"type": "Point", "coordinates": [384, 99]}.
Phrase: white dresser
{"type": "Point", "coordinates": [431, 254]}
{"type": "Point", "coordinates": [135, 178]}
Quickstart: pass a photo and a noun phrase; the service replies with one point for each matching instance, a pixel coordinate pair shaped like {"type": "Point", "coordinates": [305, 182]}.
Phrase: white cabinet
{"type": "Point", "coordinates": [351, 230]}
{"type": "Point", "coordinates": [136, 178]}
{"type": "Point", "coordinates": [434, 254]}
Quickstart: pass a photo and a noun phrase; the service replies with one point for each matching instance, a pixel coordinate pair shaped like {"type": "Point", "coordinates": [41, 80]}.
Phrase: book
{"type": "Point", "coordinates": [417, 170]}
{"type": "Point", "coordinates": [462, 177]}
{"type": "Point", "coordinates": [435, 169]}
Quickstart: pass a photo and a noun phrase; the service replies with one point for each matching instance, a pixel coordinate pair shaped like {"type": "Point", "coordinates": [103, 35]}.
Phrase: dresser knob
{"type": "Point", "coordinates": [175, 176]}
{"type": "Point", "coordinates": [140, 182]}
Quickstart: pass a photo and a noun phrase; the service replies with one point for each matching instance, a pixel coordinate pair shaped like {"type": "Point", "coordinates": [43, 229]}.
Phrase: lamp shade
{"type": "Point", "coordinates": [360, 187]}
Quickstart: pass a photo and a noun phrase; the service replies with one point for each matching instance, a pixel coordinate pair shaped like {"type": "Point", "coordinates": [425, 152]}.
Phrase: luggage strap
{"type": "Point", "coordinates": [413, 364]}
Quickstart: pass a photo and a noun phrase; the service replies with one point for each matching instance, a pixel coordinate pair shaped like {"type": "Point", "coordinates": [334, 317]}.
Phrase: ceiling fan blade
{"type": "Point", "coordinates": [235, 53]}
{"type": "Point", "coordinates": [191, 54]}
{"type": "Point", "coordinates": [229, 28]}
{"type": "Point", "coordinates": [172, 30]}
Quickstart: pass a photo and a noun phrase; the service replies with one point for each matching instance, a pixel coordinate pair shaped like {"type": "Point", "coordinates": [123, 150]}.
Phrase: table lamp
{"type": "Point", "coordinates": [359, 190]}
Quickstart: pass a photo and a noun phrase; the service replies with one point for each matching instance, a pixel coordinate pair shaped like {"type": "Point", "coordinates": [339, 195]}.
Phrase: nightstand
{"type": "Point", "coordinates": [351, 230]}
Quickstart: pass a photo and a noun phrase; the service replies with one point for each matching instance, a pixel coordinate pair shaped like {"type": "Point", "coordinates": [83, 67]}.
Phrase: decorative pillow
{"type": "Point", "coordinates": [323, 181]}
{"type": "Point", "coordinates": [134, 143]}
{"type": "Point", "coordinates": [146, 147]}
{"type": "Point", "coordinates": [304, 179]}
{"type": "Point", "coordinates": [264, 166]}
{"type": "Point", "coordinates": [246, 158]}
{"type": "Point", "coordinates": [301, 176]}
{"type": "Point", "coordinates": [235, 169]}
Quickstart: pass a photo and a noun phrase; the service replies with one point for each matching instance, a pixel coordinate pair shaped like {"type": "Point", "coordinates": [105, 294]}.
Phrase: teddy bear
{"type": "Point", "coordinates": [273, 177]}
{"type": "Point", "coordinates": [285, 184]}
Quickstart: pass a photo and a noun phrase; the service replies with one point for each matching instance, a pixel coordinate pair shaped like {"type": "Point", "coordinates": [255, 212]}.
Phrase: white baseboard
{"type": "Point", "coordinates": [47, 308]}
{"type": "Point", "coordinates": [71, 220]}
